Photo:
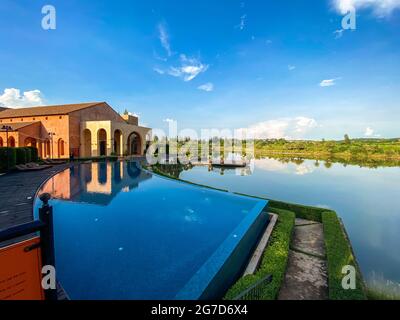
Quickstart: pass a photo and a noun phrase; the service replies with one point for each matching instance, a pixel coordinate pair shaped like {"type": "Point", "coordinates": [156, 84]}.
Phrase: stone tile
{"type": "Point", "coordinates": [306, 278]}
{"type": "Point", "coordinates": [309, 239]}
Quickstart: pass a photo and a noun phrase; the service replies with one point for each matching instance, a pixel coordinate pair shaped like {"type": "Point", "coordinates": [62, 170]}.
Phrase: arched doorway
{"type": "Point", "coordinates": [135, 144]}
{"type": "Point", "coordinates": [118, 142]}
{"type": "Point", "coordinates": [11, 142]}
{"type": "Point", "coordinates": [102, 142]}
{"type": "Point", "coordinates": [47, 148]}
{"type": "Point", "coordinates": [30, 142]}
{"type": "Point", "coordinates": [87, 143]}
{"type": "Point", "coordinates": [61, 148]}
{"type": "Point", "coordinates": [1, 142]}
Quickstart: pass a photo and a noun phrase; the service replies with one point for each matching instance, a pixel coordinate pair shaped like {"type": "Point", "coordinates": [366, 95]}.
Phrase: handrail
{"type": "Point", "coordinates": [254, 292]}
{"type": "Point", "coordinates": [21, 230]}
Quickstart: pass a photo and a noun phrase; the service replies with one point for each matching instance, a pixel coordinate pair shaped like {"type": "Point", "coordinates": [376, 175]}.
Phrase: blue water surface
{"type": "Point", "coordinates": [123, 233]}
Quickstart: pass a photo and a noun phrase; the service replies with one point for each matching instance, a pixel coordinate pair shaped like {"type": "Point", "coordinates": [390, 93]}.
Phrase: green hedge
{"type": "Point", "coordinates": [303, 212]}
{"type": "Point", "coordinates": [8, 158]}
{"type": "Point", "coordinates": [339, 254]}
{"type": "Point", "coordinates": [21, 155]}
{"type": "Point", "coordinates": [274, 260]}
{"type": "Point", "coordinates": [34, 154]}
{"type": "Point", "coordinates": [28, 154]}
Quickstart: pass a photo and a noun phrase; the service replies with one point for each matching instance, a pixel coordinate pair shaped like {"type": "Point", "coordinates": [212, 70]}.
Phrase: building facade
{"type": "Point", "coordinates": [80, 130]}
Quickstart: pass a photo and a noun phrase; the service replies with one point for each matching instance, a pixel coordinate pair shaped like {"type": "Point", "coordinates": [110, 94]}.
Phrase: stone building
{"type": "Point", "coordinates": [82, 130]}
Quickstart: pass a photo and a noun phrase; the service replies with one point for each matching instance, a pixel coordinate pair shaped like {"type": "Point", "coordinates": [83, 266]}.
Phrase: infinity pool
{"type": "Point", "coordinates": [123, 233]}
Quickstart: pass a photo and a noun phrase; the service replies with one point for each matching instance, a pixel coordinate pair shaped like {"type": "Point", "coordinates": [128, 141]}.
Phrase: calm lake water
{"type": "Point", "coordinates": [368, 201]}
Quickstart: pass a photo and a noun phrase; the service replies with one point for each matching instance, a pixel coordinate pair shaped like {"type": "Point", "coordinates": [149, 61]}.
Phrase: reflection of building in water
{"type": "Point", "coordinates": [96, 183]}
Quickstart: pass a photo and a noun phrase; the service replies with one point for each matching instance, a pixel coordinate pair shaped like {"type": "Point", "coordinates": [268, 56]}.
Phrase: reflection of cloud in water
{"type": "Point", "coordinates": [303, 169]}
{"type": "Point", "coordinates": [271, 165]}
{"type": "Point", "coordinates": [278, 166]}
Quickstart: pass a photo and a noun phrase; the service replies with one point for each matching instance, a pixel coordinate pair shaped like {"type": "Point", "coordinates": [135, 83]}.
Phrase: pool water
{"type": "Point", "coordinates": [124, 233]}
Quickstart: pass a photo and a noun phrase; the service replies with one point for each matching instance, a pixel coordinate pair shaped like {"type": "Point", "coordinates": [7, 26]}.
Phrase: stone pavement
{"type": "Point", "coordinates": [306, 275]}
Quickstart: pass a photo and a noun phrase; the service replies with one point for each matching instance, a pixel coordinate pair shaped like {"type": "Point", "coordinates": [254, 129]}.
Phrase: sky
{"type": "Point", "coordinates": [280, 69]}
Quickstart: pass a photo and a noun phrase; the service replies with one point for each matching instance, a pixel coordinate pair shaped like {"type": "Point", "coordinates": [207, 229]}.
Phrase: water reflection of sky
{"type": "Point", "coordinates": [367, 200]}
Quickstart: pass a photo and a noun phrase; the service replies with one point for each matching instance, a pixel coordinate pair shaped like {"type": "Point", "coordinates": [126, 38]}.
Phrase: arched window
{"type": "Point", "coordinates": [11, 142]}
{"type": "Point", "coordinates": [47, 148]}
{"type": "Point", "coordinates": [61, 151]}
{"type": "Point", "coordinates": [102, 142]}
{"type": "Point", "coordinates": [135, 144]}
{"type": "Point", "coordinates": [87, 143]}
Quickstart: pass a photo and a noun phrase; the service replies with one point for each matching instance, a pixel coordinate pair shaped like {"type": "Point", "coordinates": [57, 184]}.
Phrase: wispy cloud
{"type": "Point", "coordinates": [13, 98]}
{"type": "Point", "coordinates": [328, 82]}
{"type": "Point", "coordinates": [369, 132]}
{"type": "Point", "coordinates": [243, 20]}
{"type": "Point", "coordinates": [288, 128]}
{"type": "Point", "coordinates": [189, 69]}
{"type": "Point", "coordinates": [208, 87]}
{"type": "Point", "coordinates": [380, 8]}
{"type": "Point", "coordinates": [291, 67]}
{"type": "Point", "coordinates": [164, 38]}
{"type": "Point", "coordinates": [338, 33]}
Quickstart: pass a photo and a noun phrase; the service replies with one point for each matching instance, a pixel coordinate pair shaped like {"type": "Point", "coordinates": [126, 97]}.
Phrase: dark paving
{"type": "Point", "coordinates": [17, 193]}
{"type": "Point", "coordinates": [306, 276]}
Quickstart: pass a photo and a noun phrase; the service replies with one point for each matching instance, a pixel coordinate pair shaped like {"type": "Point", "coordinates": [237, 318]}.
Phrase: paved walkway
{"type": "Point", "coordinates": [17, 192]}
{"type": "Point", "coordinates": [306, 276]}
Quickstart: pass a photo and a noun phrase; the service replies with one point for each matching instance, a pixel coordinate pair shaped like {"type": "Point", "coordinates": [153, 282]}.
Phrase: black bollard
{"type": "Point", "coordinates": [47, 239]}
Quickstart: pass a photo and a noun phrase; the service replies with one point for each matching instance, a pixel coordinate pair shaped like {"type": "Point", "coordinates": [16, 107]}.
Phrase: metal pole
{"type": "Point", "coordinates": [47, 239]}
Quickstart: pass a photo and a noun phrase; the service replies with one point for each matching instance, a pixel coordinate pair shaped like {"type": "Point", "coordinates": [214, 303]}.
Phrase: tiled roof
{"type": "Point", "coordinates": [46, 110]}
{"type": "Point", "coordinates": [16, 126]}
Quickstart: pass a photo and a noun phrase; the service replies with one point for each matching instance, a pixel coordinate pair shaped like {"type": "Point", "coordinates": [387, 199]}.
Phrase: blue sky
{"type": "Point", "coordinates": [277, 67]}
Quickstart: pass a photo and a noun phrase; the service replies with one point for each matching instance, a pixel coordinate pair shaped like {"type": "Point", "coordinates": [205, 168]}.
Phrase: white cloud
{"type": "Point", "coordinates": [328, 82]}
{"type": "Point", "coordinates": [287, 128]}
{"type": "Point", "coordinates": [169, 120]}
{"type": "Point", "coordinates": [242, 24]}
{"type": "Point", "coordinates": [369, 132]}
{"type": "Point", "coordinates": [208, 87]}
{"type": "Point", "coordinates": [380, 8]}
{"type": "Point", "coordinates": [190, 68]}
{"type": "Point", "coordinates": [12, 98]}
{"type": "Point", "coordinates": [291, 68]}
{"type": "Point", "coordinates": [338, 33]}
{"type": "Point", "coordinates": [158, 70]}
{"type": "Point", "coordinates": [164, 39]}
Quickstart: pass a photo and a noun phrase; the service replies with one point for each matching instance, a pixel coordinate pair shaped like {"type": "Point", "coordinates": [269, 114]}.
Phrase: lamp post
{"type": "Point", "coordinates": [7, 128]}
{"type": "Point", "coordinates": [51, 135]}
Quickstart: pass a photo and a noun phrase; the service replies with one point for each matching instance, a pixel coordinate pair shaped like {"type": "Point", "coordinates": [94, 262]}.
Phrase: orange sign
{"type": "Point", "coordinates": [20, 271]}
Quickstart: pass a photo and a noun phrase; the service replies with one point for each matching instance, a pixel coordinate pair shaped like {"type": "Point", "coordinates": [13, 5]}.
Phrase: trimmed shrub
{"type": "Point", "coordinates": [339, 254]}
{"type": "Point", "coordinates": [28, 154]}
{"type": "Point", "coordinates": [21, 155]}
{"type": "Point", "coordinates": [274, 260]}
{"type": "Point", "coordinates": [8, 159]}
{"type": "Point", "coordinates": [34, 154]}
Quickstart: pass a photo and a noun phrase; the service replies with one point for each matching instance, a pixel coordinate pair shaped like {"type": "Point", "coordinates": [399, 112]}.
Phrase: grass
{"type": "Point", "coordinates": [339, 254]}
{"type": "Point", "coordinates": [274, 260]}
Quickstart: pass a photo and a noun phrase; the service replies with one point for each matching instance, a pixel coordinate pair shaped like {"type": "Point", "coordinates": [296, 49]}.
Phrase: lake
{"type": "Point", "coordinates": [367, 199]}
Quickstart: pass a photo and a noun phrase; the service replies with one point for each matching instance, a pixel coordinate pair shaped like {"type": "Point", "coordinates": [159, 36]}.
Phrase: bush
{"type": "Point", "coordinates": [28, 154]}
{"type": "Point", "coordinates": [339, 254]}
{"type": "Point", "coordinates": [274, 260]}
{"type": "Point", "coordinates": [34, 154]}
{"type": "Point", "coordinates": [8, 159]}
{"type": "Point", "coordinates": [21, 155]}
{"type": "Point", "coordinates": [303, 212]}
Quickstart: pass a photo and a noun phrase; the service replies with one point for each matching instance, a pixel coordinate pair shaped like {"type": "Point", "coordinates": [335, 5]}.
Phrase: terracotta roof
{"type": "Point", "coordinates": [16, 126]}
{"type": "Point", "coordinates": [46, 110]}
